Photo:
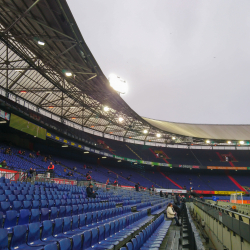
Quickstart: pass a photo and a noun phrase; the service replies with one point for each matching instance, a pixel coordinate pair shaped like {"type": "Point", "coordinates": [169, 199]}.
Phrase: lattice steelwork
{"type": "Point", "coordinates": [37, 72]}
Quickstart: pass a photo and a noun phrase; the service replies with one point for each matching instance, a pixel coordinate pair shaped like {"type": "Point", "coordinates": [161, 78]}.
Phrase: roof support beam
{"type": "Point", "coordinates": [21, 16]}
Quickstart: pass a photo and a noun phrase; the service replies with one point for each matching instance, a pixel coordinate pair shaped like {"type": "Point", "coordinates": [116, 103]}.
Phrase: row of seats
{"type": "Point", "coordinates": [95, 235]}
{"type": "Point", "coordinates": [36, 204]}
{"type": "Point", "coordinates": [25, 217]}
{"type": "Point", "coordinates": [151, 237]}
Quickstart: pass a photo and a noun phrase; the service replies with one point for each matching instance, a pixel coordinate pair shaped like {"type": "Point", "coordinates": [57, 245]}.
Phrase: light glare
{"type": "Point", "coordinates": [241, 142]}
{"type": "Point", "coordinates": [229, 142]}
{"type": "Point", "coordinates": [41, 43]}
{"type": "Point", "coordinates": [118, 84]}
{"type": "Point", "coordinates": [68, 74]}
{"type": "Point", "coordinates": [120, 119]}
{"type": "Point", "coordinates": [207, 141]}
{"type": "Point", "coordinates": [145, 131]}
{"type": "Point", "coordinates": [158, 135]}
{"type": "Point", "coordinates": [106, 109]}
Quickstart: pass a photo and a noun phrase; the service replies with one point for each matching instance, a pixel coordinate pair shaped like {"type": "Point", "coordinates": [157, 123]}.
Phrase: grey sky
{"type": "Point", "coordinates": [184, 61]}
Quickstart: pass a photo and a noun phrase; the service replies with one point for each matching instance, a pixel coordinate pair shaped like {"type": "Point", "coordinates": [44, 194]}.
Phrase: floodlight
{"type": "Point", "coordinates": [158, 135]}
{"type": "Point", "coordinates": [145, 131]}
{"type": "Point", "coordinates": [173, 138]}
{"type": "Point", "coordinates": [229, 142]}
{"type": "Point", "coordinates": [118, 84]}
{"type": "Point", "coordinates": [106, 108]}
{"type": "Point", "coordinates": [3, 121]}
{"type": "Point", "coordinates": [135, 163]}
{"type": "Point", "coordinates": [104, 157]}
{"type": "Point", "coordinates": [64, 146]}
{"type": "Point", "coordinates": [68, 74]}
{"type": "Point", "coordinates": [120, 119]}
{"type": "Point", "coordinates": [119, 161]}
{"type": "Point", "coordinates": [207, 141]}
{"type": "Point", "coordinates": [86, 152]}
{"type": "Point", "coordinates": [41, 43]}
{"type": "Point", "coordinates": [241, 142]}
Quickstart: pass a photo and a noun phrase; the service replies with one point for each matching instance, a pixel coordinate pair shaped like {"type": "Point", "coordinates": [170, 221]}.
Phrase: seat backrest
{"type": "Point", "coordinates": [3, 239]}
{"type": "Point", "coordinates": [82, 221]}
{"type": "Point", "coordinates": [17, 205]}
{"type": "Point", "coordinates": [47, 229]}
{"type": "Point", "coordinates": [24, 217]}
{"type": "Point", "coordinates": [65, 244]}
{"type": "Point", "coordinates": [20, 197]}
{"type": "Point", "coordinates": [88, 218]}
{"type": "Point", "coordinates": [107, 230]}
{"type": "Point", "coordinates": [35, 215]}
{"type": "Point", "coordinates": [130, 246]}
{"type": "Point", "coordinates": [51, 203]}
{"type": "Point", "coordinates": [53, 213]}
{"type": "Point", "coordinates": [74, 209]}
{"type": "Point", "coordinates": [62, 210]}
{"type": "Point", "coordinates": [52, 246]}
{"type": "Point", "coordinates": [85, 208]}
{"type": "Point", "coordinates": [134, 241]}
{"type": "Point", "coordinates": [94, 217]}
{"type": "Point", "coordinates": [75, 222]}
{"type": "Point", "coordinates": [101, 236]}
{"type": "Point", "coordinates": [18, 237]}
{"type": "Point", "coordinates": [44, 214]}
{"type": "Point", "coordinates": [68, 211]}
{"type": "Point", "coordinates": [34, 232]}
{"type": "Point", "coordinates": [112, 227]}
{"type": "Point", "coordinates": [10, 219]}
{"type": "Point", "coordinates": [58, 226]}
{"type": "Point", "coordinates": [44, 203]}
{"type": "Point", "coordinates": [86, 239]}
{"type": "Point", "coordinates": [11, 197]}
{"type": "Point", "coordinates": [26, 204]}
{"type": "Point", "coordinates": [5, 206]}
{"type": "Point", "coordinates": [35, 204]}
{"type": "Point", "coordinates": [77, 242]}
{"type": "Point", "coordinates": [66, 224]}
{"type": "Point", "coordinates": [80, 209]}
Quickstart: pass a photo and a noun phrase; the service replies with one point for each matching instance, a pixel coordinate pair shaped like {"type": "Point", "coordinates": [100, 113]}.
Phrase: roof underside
{"type": "Point", "coordinates": [216, 132]}
{"type": "Point", "coordinates": [37, 74]}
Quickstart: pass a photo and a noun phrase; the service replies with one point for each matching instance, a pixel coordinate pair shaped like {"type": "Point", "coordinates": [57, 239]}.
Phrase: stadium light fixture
{"type": "Point", "coordinates": [229, 142]}
{"type": "Point", "coordinates": [158, 135]}
{"type": "Point", "coordinates": [106, 108]}
{"type": "Point", "coordinates": [207, 141]}
{"type": "Point", "coordinates": [3, 121]}
{"type": "Point", "coordinates": [41, 43]}
{"type": "Point", "coordinates": [65, 146]}
{"type": "Point", "coordinates": [145, 131]}
{"type": "Point", "coordinates": [119, 161]}
{"type": "Point", "coordinates": [118, 84]}
{"type": "Point", "coordinates": [135, 163]}
{"type": "Point", "coordinates": [68, 74]}
{"type": "Point", "coordinates": [104, 157]}
{"type": "Point", "coordinates": [86, 152]}
{"type": "Point", "coordinates": [173, 138]}
{"type": "Point", "coordinates": [242, 142]}
{"type": "Point", "coordinates": [120, 119]}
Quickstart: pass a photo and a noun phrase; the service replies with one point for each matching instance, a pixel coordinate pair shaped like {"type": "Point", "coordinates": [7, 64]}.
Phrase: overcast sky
{"type": "Point", "coordinates": [185, 61]}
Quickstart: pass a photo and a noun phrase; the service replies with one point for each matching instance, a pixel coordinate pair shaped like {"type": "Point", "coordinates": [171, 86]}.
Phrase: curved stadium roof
{"type": "Point", "coordinates": [36, 74]}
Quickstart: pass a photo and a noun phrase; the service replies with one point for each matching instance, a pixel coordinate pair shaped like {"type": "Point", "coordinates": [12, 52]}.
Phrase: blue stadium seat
{"type": "Point", "coordinates": [74, 210]}
{"type": "Point", "coordinates": [53, 213]}
{"type": "Point", "coordinates": [34, 235]}
{"type": "Point", "coordinates": [17, 192]}
{"type": "Point", "coordinates": [51, 203]}
{"type": "Point", "coordinates": [3, 197]}
{"type": "Point", "coordinates": [29, 197]}
{"type": "Point", "coordinates": [47, 232]}
{"type": "Point", "coordinates": [17, 205]}
{"type": "Point", "coordinates": [18, 240]}
{"type": "Point", "coordinates": [3, 239]}
{"type": "Point", "coordinates": [62, 211]}
{"type": "Point", "coordinates": [27, 205]}
{"type": "Point", "coordinates": [44, 214]}
{"type": "Point", "coordinates": [35, 215]}
{"type": "Point", "coordinates": [77, 242]}
{"type": "Point", "coordinates": [57, 203]}
{"type": "Point", "coordinates": [35, 204]}
{"type": "Point", "coordinates": [51, 246]}
{"type": "Point", "coordinates": [4, 206]}
{"type": "Point", "coordinates": [68, 211]}
{"type": "Point", "coordinates": [10, 220]}
{"type": "Point", "coordinates": [80, 209]}
{"type": "Point", "coordinates": [65, 244]}
{"type": "Point", "coordinates": [24, 217]}
{"type": "Point", "coordinates": [44, 203]}
{"type": "Point", "coordinates": [58, 227]}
